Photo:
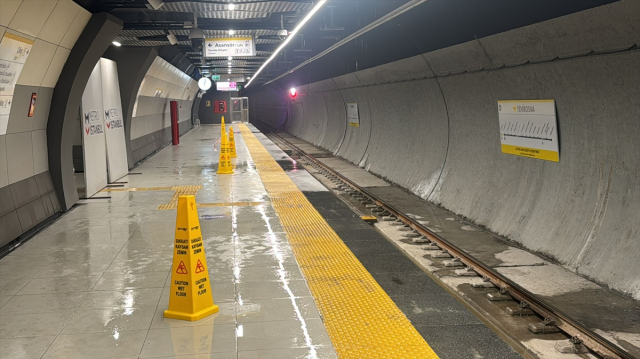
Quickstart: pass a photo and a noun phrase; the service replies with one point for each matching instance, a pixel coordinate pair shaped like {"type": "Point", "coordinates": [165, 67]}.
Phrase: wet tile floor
{"type": "Point", "coordinates": [95, 283]}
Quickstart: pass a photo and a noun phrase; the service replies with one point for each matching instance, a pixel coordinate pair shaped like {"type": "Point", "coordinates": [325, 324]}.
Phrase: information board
{"type": "Point", "coordinates": [353, 115]}
{"type": "Point", "coordinates": [14, 51]}
{"type": "Point", "coordinates": [93, 140]}
{"type": "Point", "coordinates": [233, 46]}
{"type": "Point", "coordinates": [117, 163]}
{"type": "Point", "coordinates": [529, 128]}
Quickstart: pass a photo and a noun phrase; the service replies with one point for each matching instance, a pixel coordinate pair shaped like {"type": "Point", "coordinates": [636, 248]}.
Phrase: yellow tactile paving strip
{"type": "Point", "coordinates": [179, 191]}
{"type": "Point", "coordinates": [362, 321]}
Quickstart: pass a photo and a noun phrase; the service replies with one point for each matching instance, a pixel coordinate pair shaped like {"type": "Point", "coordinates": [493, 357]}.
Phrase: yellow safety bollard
{"type": "Point", "coordinates": [224, 161]}
{"type": "Point", "coordinates": [190, 297]}
{"type": "Point", "coordinates": [232, 143]}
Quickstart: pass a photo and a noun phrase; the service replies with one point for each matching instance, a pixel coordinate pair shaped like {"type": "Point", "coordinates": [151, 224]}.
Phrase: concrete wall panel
{"type": "Point", "coordinates": [356, 139]}
{"type": "Point", "coordinates": [59, 21]}
{"type": "Point", "coordinates": [40, 156]}
{"type": "Point", "coordinates": [32, 15]}
{"type": "Point", "coordinates": [8, 9]}
{"type": "Point", "coordinates": [55, 67]}
{"type": "Point", "coordinates": [4, 173]}
{"type": "Point", "coordinates": [37, 63]}
{"type": "Point", "coordinates": [439, 137]}
{"type": "Point", "coordinates": [19, 156]}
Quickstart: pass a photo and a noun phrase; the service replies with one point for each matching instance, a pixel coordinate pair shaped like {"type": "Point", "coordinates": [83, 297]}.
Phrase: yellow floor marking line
{"type": "Point", "coordinates": [230, 204]}
{"type": "Point", "coordinates": [361, 319]}
{"type": "Point", "coordinates": [179, 191]}
{"type": "Point", "coordinates": [137, 189]}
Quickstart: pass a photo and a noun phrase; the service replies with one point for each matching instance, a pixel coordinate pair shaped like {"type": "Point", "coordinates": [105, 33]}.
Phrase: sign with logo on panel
{"type": "Point", "coordinates": [528, 128]}
{"type": "Point", "coordinates": [117, 163]}
{"type": "Point", "coordinates": [352, 114]}
{"type": "Point", "coordinates": [226, 86]}
{"type": "Point", "coordinates": [14, 51]}
{"type": "Point", "coordinates": [232, 46]}
{"type": "Point", "coordinates": [93, 139]}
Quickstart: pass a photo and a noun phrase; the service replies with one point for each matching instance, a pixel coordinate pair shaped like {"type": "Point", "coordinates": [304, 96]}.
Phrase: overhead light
{"type": "Point", "coordinates": [230, 58]}
{"type": "Point", "coordinates": [172, 38]}
{"type": "Point", "coordinates": [115, 43]}
{"type": "Point", "coordinates": [286, 41]}
{"type": "Point", "coordinates": [229, 63]}
{"type": "Point", "coordinates": [232, 32]}
{"type": "Point", "coordinates": [156, 4]}
{"type": "Point", "coordinates": [231, 6]}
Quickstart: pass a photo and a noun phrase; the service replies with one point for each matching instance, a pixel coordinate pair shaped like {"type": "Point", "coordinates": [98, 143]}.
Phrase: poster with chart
{"type": "Point", "coordinates": [528, 128]}
{"type": "Point", "coordinates": [14, 51]}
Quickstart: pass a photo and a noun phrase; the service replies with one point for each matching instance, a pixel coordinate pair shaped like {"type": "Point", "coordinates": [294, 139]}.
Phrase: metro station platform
{"type": "Point", "coordinates": [95, 283]}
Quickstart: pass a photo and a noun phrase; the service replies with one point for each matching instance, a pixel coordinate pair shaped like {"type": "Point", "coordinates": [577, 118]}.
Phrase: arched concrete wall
{"type": "Point", "coordinates": [434, 130]}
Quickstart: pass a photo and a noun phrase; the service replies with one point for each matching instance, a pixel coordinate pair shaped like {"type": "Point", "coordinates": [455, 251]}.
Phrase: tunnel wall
{"type": "Point", "coordinates": [27, 195]}
{"type": "Point", "coordinates": [429, 124]}
{"type": "Point", "coordinates": [151, 118]}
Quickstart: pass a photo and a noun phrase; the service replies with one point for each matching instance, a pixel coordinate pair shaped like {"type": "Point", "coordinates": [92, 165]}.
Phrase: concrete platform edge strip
{"type": "Point", "coordinates": [361, 319]}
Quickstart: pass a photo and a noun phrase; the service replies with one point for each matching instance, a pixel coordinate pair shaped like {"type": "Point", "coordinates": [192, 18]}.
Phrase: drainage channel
{"type": "Point", "coordinates": [581, 339]}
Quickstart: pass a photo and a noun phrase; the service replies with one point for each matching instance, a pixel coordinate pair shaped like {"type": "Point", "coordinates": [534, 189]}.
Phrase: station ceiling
{"type": "Point", "coordinates": [145, 26]}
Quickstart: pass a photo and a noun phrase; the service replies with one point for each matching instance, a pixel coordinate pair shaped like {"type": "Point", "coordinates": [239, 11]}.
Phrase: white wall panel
{"type": "Point", "coordinates": [94, 149]}
{"type": "Point", "coordinates": [114, 132]}
{"type": "Point", "coordinates": [75, 29]}
{"type": "Point", "coordinates": [37, 63]}
{"type": "Point", "coordinates": [19, 156]}
{"type": "Point", "coordinates": [8, 9]}
{"type": "Point", "coordinates": [55, 68]}
{"type": "Point", "coordinates": [19, 121]}
{"type": "Point", "coordinates": [32, 15]}
{"type": "Point", "coordinates": [2, 31]}
{"type": "Point", "coordinates": [4, 175]}
{"type": "Point", "coordinates": [58, 23]}
{"type": "Point", "coordinates": [40, 157]}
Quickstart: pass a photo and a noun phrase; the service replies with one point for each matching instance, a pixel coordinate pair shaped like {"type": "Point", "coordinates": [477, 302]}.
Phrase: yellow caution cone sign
{"type": "Point", "coordinates": [190, 297]}
{"type": "Point", "coordinates": [232, 143]}
{"type": "Point", "coordinates": [224, 162]}
{"type": "Point", "coordinates": [223, 129]}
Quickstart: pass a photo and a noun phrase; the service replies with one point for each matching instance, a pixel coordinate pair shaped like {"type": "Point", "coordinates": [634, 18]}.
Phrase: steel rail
{"type": "Point", "coordinates": [552, 315]}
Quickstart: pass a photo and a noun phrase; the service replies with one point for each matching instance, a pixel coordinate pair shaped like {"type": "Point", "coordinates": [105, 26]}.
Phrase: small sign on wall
{"type": "Point", "coordinates": [208, 103]}
{"type": "Point", "coordinates": [32, 104]}
{"type": "Point", "coordinates": [353, 115]}
{"type": "Point", "coordinates": [528, 128]}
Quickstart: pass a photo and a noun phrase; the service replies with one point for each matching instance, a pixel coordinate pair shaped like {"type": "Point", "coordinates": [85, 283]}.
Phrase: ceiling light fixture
{"type": "Point", "coordinates": [115, 43]}
{"type": "Point", "coordinates": [231, 6]}
{"type": "Point", "coordinates": [230, 58]}
{"type": "Point", "coordinates": [232, 32]}
{"type": "Point", "coordinates": [286, 41]}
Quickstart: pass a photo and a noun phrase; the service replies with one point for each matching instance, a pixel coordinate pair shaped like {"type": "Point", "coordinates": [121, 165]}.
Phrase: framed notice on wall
{"type": "Point", "coordinates": [528, 128]}
{"type": "Point", "coordinates": [353, 115]}
{"type": "Point", "coordinates": [32, 104]}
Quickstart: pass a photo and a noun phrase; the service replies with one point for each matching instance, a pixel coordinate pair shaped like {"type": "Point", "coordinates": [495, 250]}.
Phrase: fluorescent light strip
{"type": "Point", "coordinates": [286, 41]}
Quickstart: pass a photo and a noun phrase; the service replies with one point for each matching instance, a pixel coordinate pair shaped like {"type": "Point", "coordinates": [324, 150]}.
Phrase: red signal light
{"type": "Point", "coordinates": [293, 92]}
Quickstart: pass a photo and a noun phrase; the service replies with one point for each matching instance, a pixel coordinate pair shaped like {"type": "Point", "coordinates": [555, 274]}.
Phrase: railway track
{"type": "Point", "coordinates": [552, 317]}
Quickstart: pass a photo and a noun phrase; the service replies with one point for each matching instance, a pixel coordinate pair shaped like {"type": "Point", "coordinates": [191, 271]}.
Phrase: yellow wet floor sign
{"type": "Point", "coordinates": [232, 143]}
{"type": "Point", "coordinates": [224, 161]}
{"type": "Point", "coordinates": [190, 297]}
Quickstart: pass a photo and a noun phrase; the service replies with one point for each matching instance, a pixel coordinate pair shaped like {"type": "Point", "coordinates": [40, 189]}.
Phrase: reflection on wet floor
{"type": "Point", "coordinates": [95, 283]}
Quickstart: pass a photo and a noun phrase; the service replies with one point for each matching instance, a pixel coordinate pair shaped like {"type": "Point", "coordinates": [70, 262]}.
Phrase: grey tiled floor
{"type": "Point", "coordinates": [96, 282]}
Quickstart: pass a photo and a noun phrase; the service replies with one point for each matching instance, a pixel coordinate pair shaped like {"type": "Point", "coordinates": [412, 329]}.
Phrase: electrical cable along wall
{"type": "Point", "coordinates": [438, 112]}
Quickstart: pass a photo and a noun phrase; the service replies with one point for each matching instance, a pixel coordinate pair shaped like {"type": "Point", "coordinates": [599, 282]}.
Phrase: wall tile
{"type": "Point", "coordinates": [45, 184]}
{"type": "Point", "coordinates": [40, 155]}
{"type": "Point", "coordinates": [19, 156]}
{"type": "Point", "coordinates": [78, 24]}
{"type": "Point", "coordinates": [31, 16]}
{"type": "Point", "coordinates": [8, 9]}
{"type": "Point", "coordinates": [37, 63]}
{"type": "Point", "coordinates": [31, 214]}
{"type": "Point", "coordinates": [6, 201]}
{"type": "Point", "coordinates": [24, 191]}
{"type": "Point", "coordinates": [2, 29]}
{"type": "Point", "coordinates": [54, 202]}
{"type": "Point", "coordinates": [55, 68]}
{"type": "Point", "coordinates": [11, 228]}
{"type": "Point", "coordinates": [4, 174]}
{"type": "Point", "coordinates": [58, 23]}
{"type": "Point", "coordinates": [19, 120]}
{"type": "Point", "coordinates": [48, 207]}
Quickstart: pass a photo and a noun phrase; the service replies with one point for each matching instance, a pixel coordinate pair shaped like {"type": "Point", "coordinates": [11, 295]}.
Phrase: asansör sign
{"type": "Point", "coordinates": [232, 46]}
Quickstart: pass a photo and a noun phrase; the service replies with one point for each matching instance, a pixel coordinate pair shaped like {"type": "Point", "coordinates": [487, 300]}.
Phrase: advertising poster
{"type": "Point", "coordinates": [353, 115]}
